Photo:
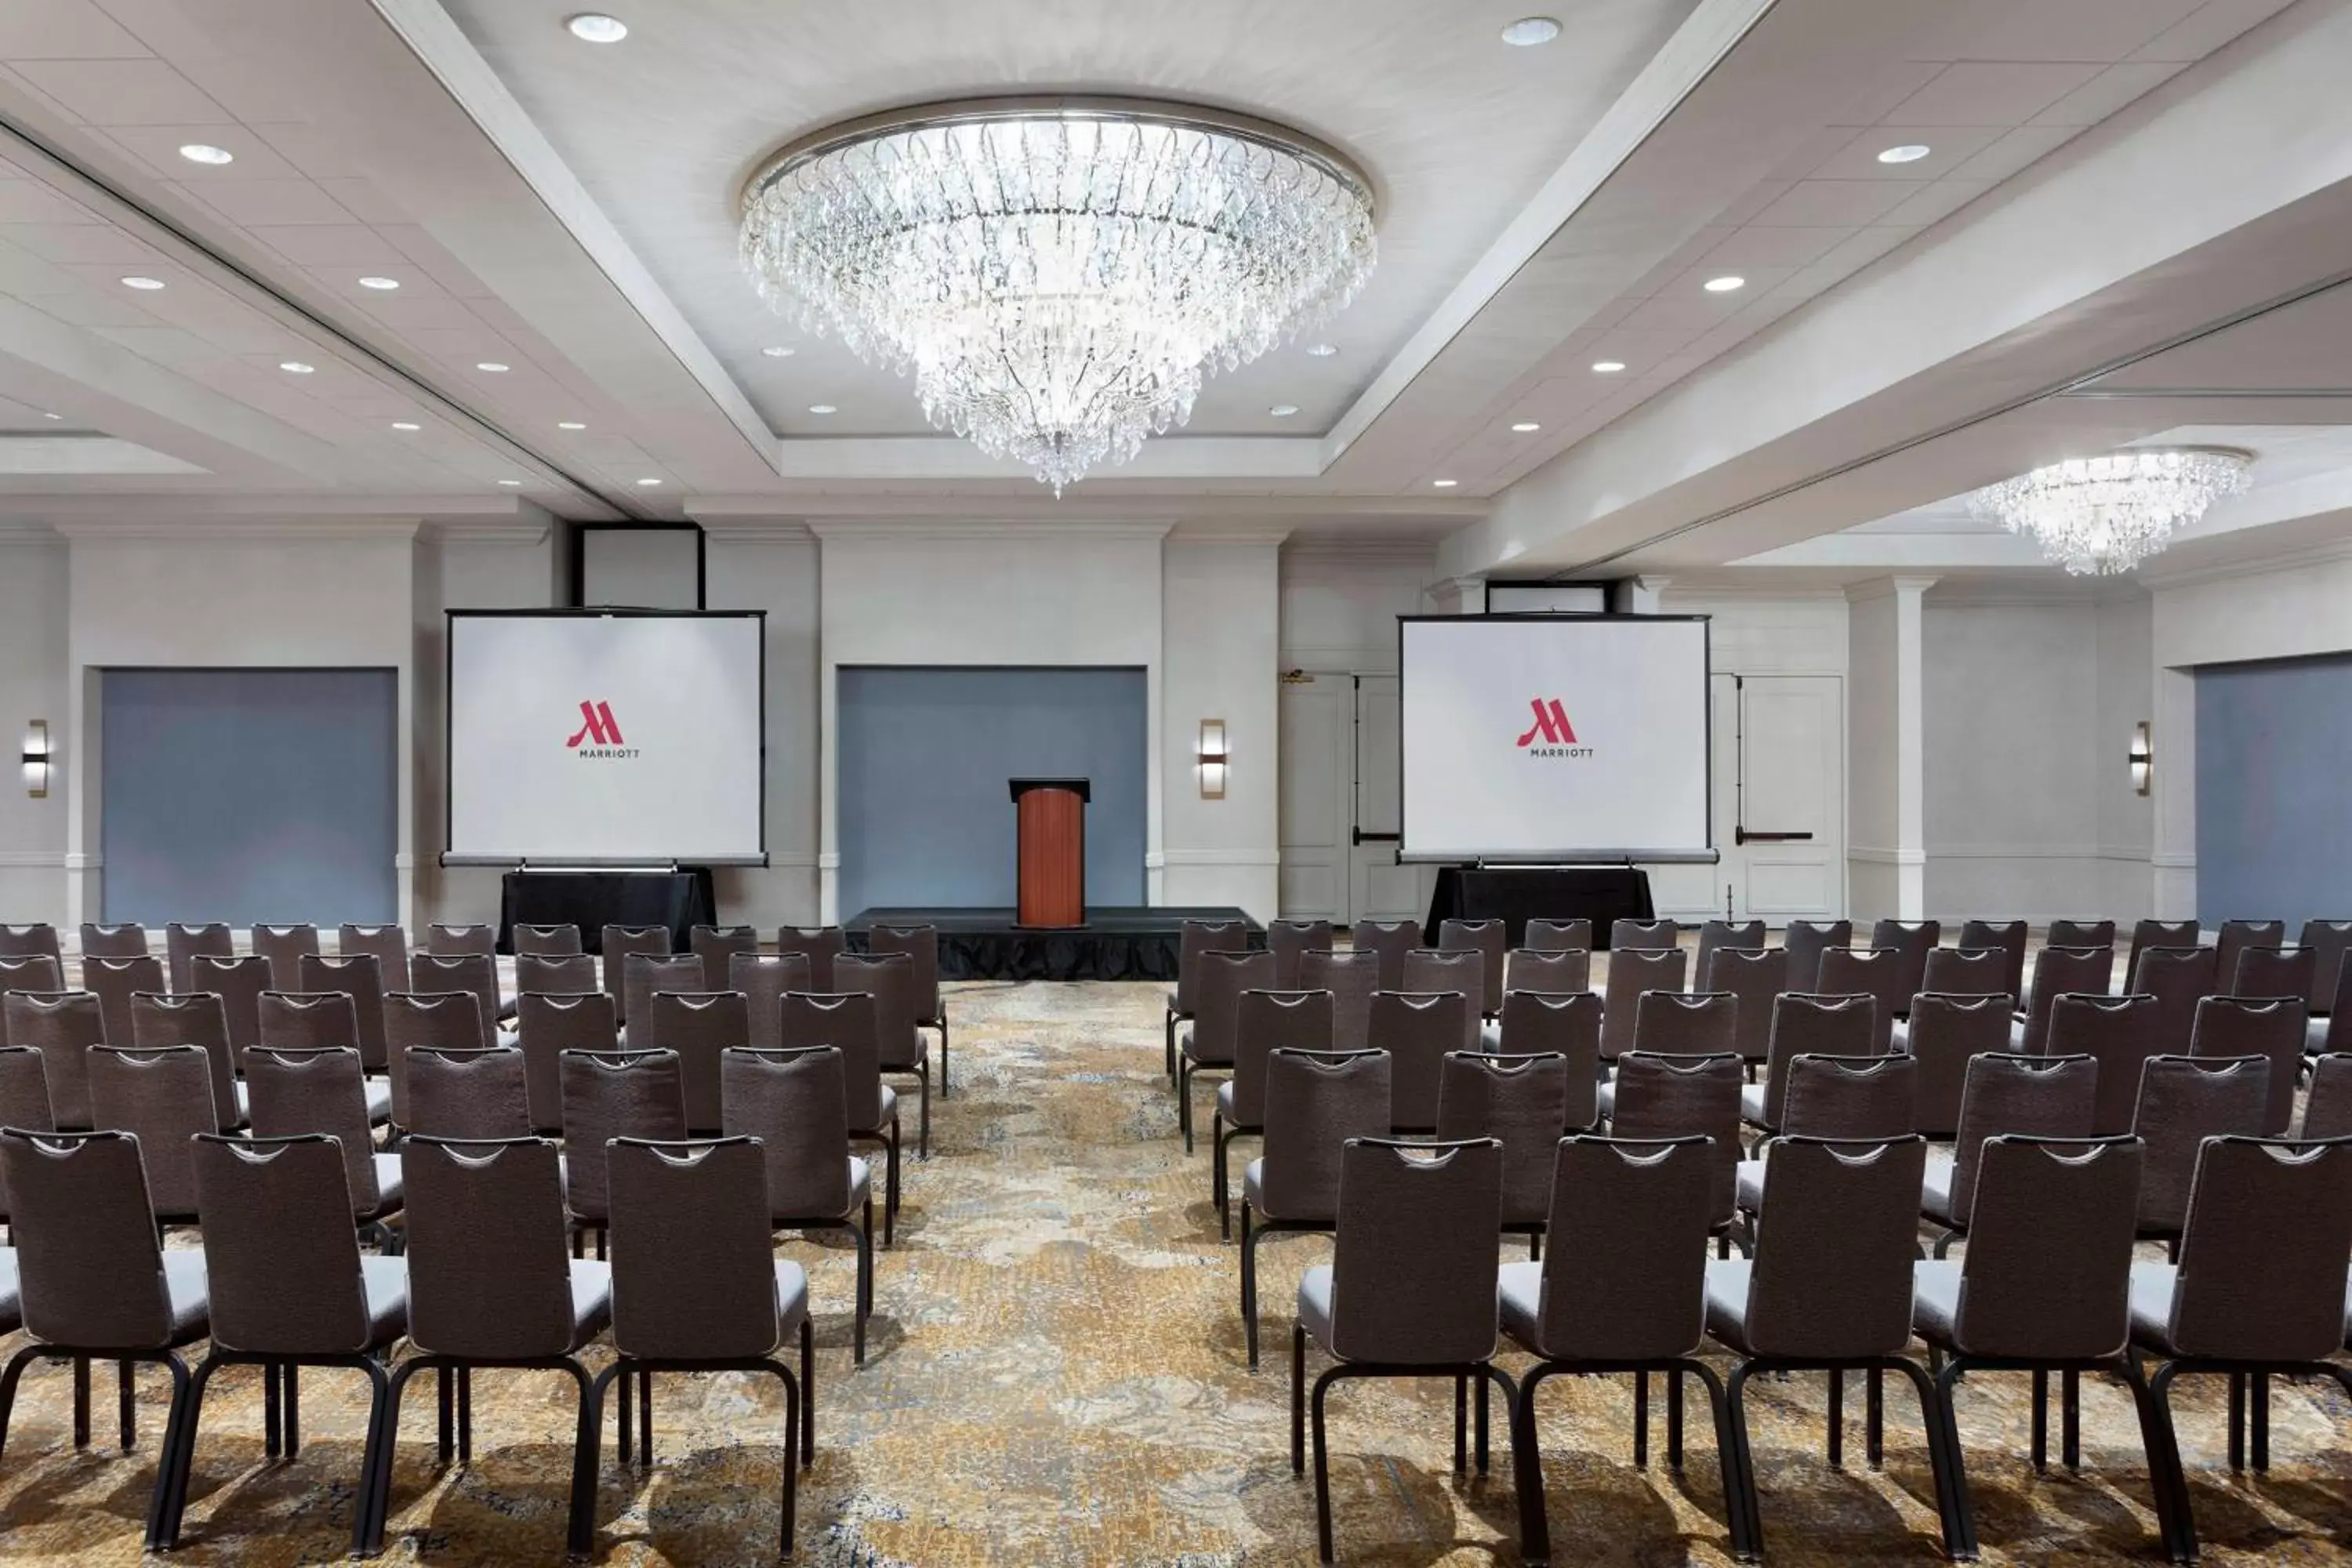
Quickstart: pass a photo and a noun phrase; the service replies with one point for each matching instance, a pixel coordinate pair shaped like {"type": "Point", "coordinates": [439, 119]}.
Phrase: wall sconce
{"type": "Point", "coordinates": [1212, 759]}
{"type": "Point", "coordinates": [2143, 758]}
{"type": "Point", "coordinates": [38, 759]}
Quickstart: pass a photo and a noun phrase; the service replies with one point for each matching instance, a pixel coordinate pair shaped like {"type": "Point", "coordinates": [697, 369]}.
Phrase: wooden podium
{"type": "Point", "coordinates": [1052, 817]}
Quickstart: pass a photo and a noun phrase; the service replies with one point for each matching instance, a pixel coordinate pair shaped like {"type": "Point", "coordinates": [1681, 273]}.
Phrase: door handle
{"type": "Point", "coordinates": [1361, 837]}
{"type": "Point", "coordinates": [1750, 835]}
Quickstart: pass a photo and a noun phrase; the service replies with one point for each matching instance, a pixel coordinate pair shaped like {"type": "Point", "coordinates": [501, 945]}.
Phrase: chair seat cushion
{"type": "Point", "coordinates": [1901, 1036]}
{"type": "Point", "coordinates": [861, 1182]}
{"type": "Point", "coordinates": [792, 1298]}
{"type": "Point", "coordinates": [1490, 1038]}
{"type": "Point", "coordinates": [592, 1299]}
{"type": "Point", "coordinates": [1226, 1108]}
{"type": "Point", "coordinates": [889, 1112]}
{"type": "Point", "coordinates": [11, 1313]}
{"type": "Point", "coordinates": [1752, 1185]}
{"type": "Point", "coordinates": [1604, 1097]}
{"type": "Point", "coordinates": [1936, 1301]}
{"type": "Point", "coordinates": [2151, 1304]}
{"type": "Point", "coordinates": [185, 1283]}
{"type": "Point", "coordinates": [244, 1099]}
{"type": "Point", "coordinates": [1518, 1292]}
{"type": "Point", "coordinates": [388, 1189]}
{"type": "Point", "coordinates": [379, 1098]}
{"type": "Point", "coordinates": [2017, 1033]}
{"type": "Point", "coordinates": [1254, 1186]}
{"type": "Point", "coordinates": [1727, 1301]}
{"type": "Point", "coordinates": [1315, 1304]}
{"type": "Point", "coordinates": [2314, 1035]}
{"type": "Point", "coordinates": [911, 1055]}
{"type": "Point", "coordinates": [385, 1281]}
{"type": "Point", "coordinates": [1751, 1103]}
{"type": "Point", "coordinates": [1936, 1188]}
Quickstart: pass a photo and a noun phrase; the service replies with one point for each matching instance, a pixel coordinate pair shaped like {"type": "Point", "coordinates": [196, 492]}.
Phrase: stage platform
{"type": "Point", "coordinates": [1120, 943]}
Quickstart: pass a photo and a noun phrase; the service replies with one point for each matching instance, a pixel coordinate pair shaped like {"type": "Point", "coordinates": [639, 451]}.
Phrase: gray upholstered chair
{"type": "Point", "coordinates": [2059, 972]}
{"type": "Point", "coordinates": [114, 980]}
{"type": "Point", "coordinates": [546, 942]}
{"type": "Point", "coordinates": [765, 979]}
{"type": "Point", "coordinates": [1877, 973]}
{"type": "Point", "coordinates": [717, 947]}
{"type": "Point", "coordinates": [164, 1097]}
{"type": "Point", "coordinates": [2266, 971]}
{"type": "Point", "coordinates": [239, 983]}
{"type": "Point", "coordinates": [1725, 936]}
{"type": "Point", "coordinates": [37, 939]}
{"type": "Point", "coordinates": [288, 1289]}
{"type": "Point", "coordinates": [921, 943]}
{"type": "Point", "coordinates": [550, 1024]}
{"type": "Point", "coordinates": [1291, 942]}
{"type": "Point", "coordinates": [1315, 1103]}
{"type": "Point", "coordinates": [361, 978]}
{"type": "Point", "coordinates": [1351, 975]}
{"type": "Point", "coordinates": [451, 1021]}
{"type": "Point", "coordinates": [645, 974]}
{"type": "Point", "coordinates": [201, 1021]}
{"type": "Point", "coordinates": [609, 1095]}
{"type": "Point", "coordinates": [1484, 938]}
{"type": "Point", "coordinates": [1805, 941]}
{"type": "Point", "coordinates": [94, 1280]}
{"type": "Point", "coordinates": [29, 972]}
{"type": "Point", "coordinates": [2328, 941]}
{"type": "Point", "coordinates": [1945, 1033]}
{"type": "Point", "coordinates": [744, 1307]}
{"type": "Point", "coordinates": [2116, 1033]}
{"type": "Point", "coordinates": [1219, 978]}
{"type": "Point", "coordinates": [125, 939]}
{"type": "Point", "coordinates": [2270, 1028]}
{"type": "Point", "coordinates": [1193, 939]}
{"type": "Point", "coordinates": [819, 945]}
{"type": "Point", "coordinates": [2334, 1032]}
{"type": "Point", "coordinates": [2178, 978]}
{"type": "Point", "coordinates": [2080, 933]}
{"type": "Point", "coordinates": [617, 945]}
{"type": "Point", "coordinates": [1410, 1291]}
{"type": "Point", "coordinates": [2328, 1109]}
{"type": "Point", "coordinates": [183, 943]}
{"type": "Point", "coordinates": [791, 1104]}
{"type": "Point", "coordinates": [2148, 933]}
{"type": "Point", "coordinates": [1625, 1290]}
{"type": "Point", "coordinates": [1803, 1025]}
{"type": "Point", "coordinates": [1392, 940]}
{"type": "Point", "coordinates": [1556, 936]}
{"type": "Point", "coordinates": [2183, 1100]}
{"type": "Point", "coordinates": [1754, 977]}
{"type": "Point", "coordinates": [1914, 939]}
{"type": "Point", "coordinates": [2232, 942]}
{"type": "Point", "coordinates": [1863, 1100]}
{"type": "Point", "coordinates": [1548, 969]}
{"type": "Point", "coordinates": [1632, 971]}
{"type": "Point", "coordinates": [2043, 1288]}
{"type": "Point", "coordinates": [474, 974]}
{"type": "Point", "coordinates": [1417, 1029]}
{"type": "Point", "coordinates": [62, 1025]}
{"type": "Point", "coordinates": [1643, 936]}
{"type": "Point", "coordinates": [1264, 1021]}
{"type": "Point", "coordinates": [2007, 937]}
{"type": "Point", "coordinates": [900, 1048]}
{"type": "Point", "coordinates": [1544, 1023]}
{"type": "Point", "coordinates": [1662, 1099]}
{"type": "Point", "coordinates": [282, 947]}
{"type": "Point", "coordinates": [699, 1025]}
{"type": "Point", "coordinates": [1964, 972]}
{"type": "Point", "coordinates": [388, 944]}
{"type": "Point", "coordinates": [1828, 1290]}
{"type": "Point", "coordinates": [24, 1101]}
{"type": "Point", "coordinates": [2032, 1096]}
{"type": "Point", "coordinates": [455, 939]}
{"type": "Point", "coordinates": [469, 1096]}
{"type": "Point", "coordinates": [489, 1285]}
{"type": "Point", "coordinates": [1461, 969]}
{"type": "Point", "coordinates": [556, 975]}
{"type": "Point", "coordinates": [1687, 1023]}
{"type": "Point", "coordinates": [846, 1020]}
{"type": "Point", "coordinates": [1521, 1102]}
{"type": "Point", "coordinates": [297, 1092]}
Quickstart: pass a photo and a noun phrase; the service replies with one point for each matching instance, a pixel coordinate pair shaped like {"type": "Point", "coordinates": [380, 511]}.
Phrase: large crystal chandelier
{"type": "Point", "coordinates": [1058, 274]}
{"type": "Point", "coordinates": [2108, 514]}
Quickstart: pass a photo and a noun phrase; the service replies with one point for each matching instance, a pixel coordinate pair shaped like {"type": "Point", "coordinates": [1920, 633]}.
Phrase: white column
{"type": "Point", "coordinates": [2172, 790]}
{"type": "Point", "coordinates": [1459, 597]}
{"type": "Point", "coordinates": [1886, 751]}
{"type": "Point", "coordinates": [1910, 753]}
{"type": "Point", "coordinates": [1641, 595]}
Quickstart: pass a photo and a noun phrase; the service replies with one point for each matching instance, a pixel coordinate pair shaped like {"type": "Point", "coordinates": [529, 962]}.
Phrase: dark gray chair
{"type": "Point", "coordinates": [1523, 1103]}
{"type": "Point", "coordinates": [1193, 939]}
{"type": "Point", "coordinates": [793, 1106]}
{"type": "Point", "coordinates": [745, 1305]}
{"type": "Point", "coordinates": [1315, 1103]}
{"type": "Point", "coordinates": [1805, 941]}
{"type": "Point", "coordinates": [2328, 1109]}
{"type": "Point", "coordinates": [2115, 1032]}
{"type": "Point", "coordinates": [717, 947]}
{"type": "Point", "coordinates": [114, 980]}
{"type": "Point", "coordinates": [474, 974]}
{"type": "Point", "coordinates": [921, 943]}
{"type": "Point", "coordinates": [765, 979]}
{"type": "Point", "coordinates": [1877, 973]}
{"type": "Point", "coordinates": [1643, 936]}
{"type": "Point", "coordinates": [2178, 978]}
{"type": "Point", "coordinates": [1543, 1023]}
{"type": "Point", "coordinates": [1836, 1099]}
{"type": "Point", "coordinates": [24, 1101]}
{"type": "Point", "coordinates": [1556, 936]}
{"type": "Point", "coordinates": [62, 1025]}
{"type": "Point", "coordinates": [282, 947]}
{"type": "Point", "coordinates": [29, 972]}
{"type": "Point", "coordinates": [2328, 941]}
{"type": "Point", "coordinates": [127, 939]}
{"type": "Point", "coordinates": [2333, 1033]}
{"type": "Point", "coordinates": [182, 943]}
{"type": "Point", "coordinates": [900, 1049]}
{"type": "Point", "coordinates": [1563, 969]}
{"type": "Point", "coordinates": [2272, 1030]}
{"type": "Point", "coordinates": [1392, 940]}
{"type": "Point", "coordinates": [450, 1021]}
{"type": "Point", "coordinates": [699, 1025]}
{"type": "Point", "coordinates": [1625, 1290]}
{"type": "Point", "coordinates": [609, 1095]}
{"type": "Point", "coordinates": [2080, 933]}
{"type": "Point", "coordinates": [549, 1026]}
{"type": "Point", "coordinates": [240, 982]}
{"type": "Point", "coordinates": [1291, 942]}
{"type": "Point", "coordinates": [1486, 938]}
{"type": "Point", "coordinates": [1351, 976]}
{"type": "Point", "coordinates": [556, 975]}
{"type": "Point", "coordinates": [1804, 1025]}
{"type": "Point", "coordinates": [298, 1092]}
{"type": "Point", "coordinates": [452, 939]}
{"type": "Point", "coordinates": [2183, 1100]}
{"type": "Point", "coordinates": [1417, 1030]}
{"type": "Point", "coordinates": [2232, 941]}
{"type": "Point", "coordinates": [1410, 1291]}
{"type": "Point", "coordinates": [845, 1021]}
{"type": "Point", "coordinates": [2266, 971]}
{"type": "Point", "coordinates": [1632, 971]}
{"type": "Point", "coordinates": [819, 945]}
{"type": "Point", "coordinates": [2032, 1096]}
{"type": "Point", "coordinates": [1964, 972]}
{"type": "Point", "coordinates": [162, 1098]}
{"type": "Point", "coordinates": [1945, 1033]}
{"type": "Point", "coordinates": [200, 1021]}
{"type": "Point", "coordinates": [1265, 1021]}
{"type": "Point", "coordinates": [37, 939]}
{"type": "Point", "coordinates": [2007, 937]}
{"type": "Point", "coordinates": [545, 942]}
{"type": "Point", "coordinates": [1914, 939]}
{"type": "Point", "coordinates": [2148, 933]}
{"type": "Point", "coordinates": [1219, 978]}
{"type": "Point", "coordinates": [1460, 969]}
{"type": "Point", "coordinates": [1754, 977]}
{"type": "Point", "coordinates": [1725, 936]}
{"type": "Point", "coordinates": [1687, 1023]}
{"type": "Point", "coordinates": [1665, 1099]}
{"type": "Point", "coordinates": [360, 976]}
{"type": "Point", "coordinates": [645, 974]}
{"type": "Point", "coordinates": [615, 946]}
{"type": "Point", "coordinates": [489, 1285]}
{"type": "Point", "coordinates": [388, 944]}
{"type": "Point", "coordinates": [469, 1096]}
{"type": "Point", "coordinates": [2059, 972]}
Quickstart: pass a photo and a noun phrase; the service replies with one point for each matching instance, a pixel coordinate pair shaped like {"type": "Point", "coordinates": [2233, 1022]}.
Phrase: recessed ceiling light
{"type": "Point", "coordinates": [387, 283]}
{"type": "Point", "coordinates": [48, 416]}
{"type": "Point", "coordinates": [648, 483]}
{"type": "Point", "coordinates": [823, 408]}
{"type": "Point", "coordinates": [1725, 285]}
{"type": "Point", "coordinates": [1528, 31]}
{"type": "Point", "coordinates": [1607, 366]}
{"type": "Point", "coordinates": [570, 425]}
{"type": "Point", "coordinates": [1445, 484]}
{"type": "Point", "coordinates": [1322, 351]}
{"type": "Point", "coordinates": [1910, 152]}
{"type": "Point", "coordinates": [596, 28]}
{"type": "Point", "coordinates": [1283, 410]}
{"type": "Point", "coordinates": [405, 425]}
{"type": "Point", "coordinates": [495, 368]}
{"type": "Point", "coordinates": [204, 153]}
{"type": "Point", "coordinates": [149, 284]}
{"type": "Point", "coordinates": [295, 367]}
{"type": "Point", "coordinates": [511, 484]}
{"type": "Point", "coordinates": [778, 351]}
{"type": "Point", "coordinates": [1525, 428]}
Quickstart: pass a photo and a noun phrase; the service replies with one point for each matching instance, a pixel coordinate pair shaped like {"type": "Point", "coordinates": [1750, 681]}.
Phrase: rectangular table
{"type": "Point", "coordinates": [679, 900]}
{"type": "Point", "coordinates": [1518, 894]}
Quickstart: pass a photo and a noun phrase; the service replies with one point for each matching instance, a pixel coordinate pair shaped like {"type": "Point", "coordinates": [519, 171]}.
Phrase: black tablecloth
{"type": "Point", "coordinates": [680, 899]}
{"type": "Point", "coordinates": [1519, 894]}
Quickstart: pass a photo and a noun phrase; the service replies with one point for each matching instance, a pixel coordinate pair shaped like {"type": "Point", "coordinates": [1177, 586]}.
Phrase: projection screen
{"type": "Point", "coordinates": [1554, 738]}
{"type": "Point", "coordinates": [606, 738]}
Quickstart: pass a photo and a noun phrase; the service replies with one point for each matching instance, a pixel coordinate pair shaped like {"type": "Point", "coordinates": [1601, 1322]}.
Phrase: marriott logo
{"type": "Point", "coordinates": [599, 734]}
{"type": "Point", "coordinates": [1552, 729]}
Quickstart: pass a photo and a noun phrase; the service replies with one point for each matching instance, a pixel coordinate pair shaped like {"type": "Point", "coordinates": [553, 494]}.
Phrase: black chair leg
{"type": "Point", "coordinates": [1249, 1286]}
{"type": "Point", "coordinates": [376, 1492]}
{"type": "Point", "coordinates": [1461, 1424]}
{"type": "Point", "coordinates": [1744, 1457]}
{"type": "Point", "coordinates": [270, 1441]}
{"type": "Point", "coordinates": [943, 1052]}
{"type": "Point", "coordinates": [449, 1429]}
{"type": "Point", "coordinates": [1322, 1468]}
{"type": "Point", "coordinates": [176, 1438]}
{"type": "Point", "coordinates": [2258, 1420]}
{"type": "Point", "coordinates": [1217, 1174]}
{"type": "Point", "coordinates": [127, 1406]}
{"type": "Point", "coordinates": [290, 1390]}
{"type": "Point", "coordinates": [1298, 1399]}
{"type": "Point", "coordinates": [464, 1415]}
{"type": "Point", "coordinates": [1526, 1475]}
{"type": "Point", "coordinates": [586, 1506]}
{"type": "Point", "coordinates": [1674, 1422]}
{"type": "Point", "coordinates": [1952, 1506]}
{"type": "Point", "coordinates": [865, 1284]}
{"type": "Point", "coordinates": [923, 1128]}
{"type": "Point", "coordinates": [627, 1412]}
{"type": "Point", "coordinates": [2041, 1420]}
{"type": "Point", "coordinates": [375, 1456]}
{"type": "Point", "coordinates": [1738, 1490]}
{"type": "Point", "coordinates": [807, 1397]}
{"type": "Point", "coordinates": [1483, 1453]}
{"type": "Point", "coordinates": [1837, 1420]}
{"type": "Point", "coordinates": [1874, 1418]}
{"type": "Point", "coordinates": [2236, 1421]}
{"type": "Point", "coordinates": [81, 1401]}
{"type": "Point", "coordinates": [179, 1457]}
{"type": "Point", "coordinates": [2070, 1419]}
{"type": "Point", "coordinates": [1640, 1420]}
{"type": "Point", "coordinates": [890, 1187]}
{"type": "Point", "coordinates": [645, 1419]}
{"type": "Point", "coordinates": [1184, 1100]}
{"type": "Point", "coordinates": [581, 1537]}
{"type": "Point", "coordinates": [2164, 1474]}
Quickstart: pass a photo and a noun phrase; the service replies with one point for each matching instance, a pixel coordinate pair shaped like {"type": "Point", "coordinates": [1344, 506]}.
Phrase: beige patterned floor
{"type": "Point", "coordinates": [1057, 1379]}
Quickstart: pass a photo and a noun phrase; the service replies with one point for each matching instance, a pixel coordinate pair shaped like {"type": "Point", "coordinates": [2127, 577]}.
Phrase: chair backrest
{"type": "Point", "coordinates": [114, 980]}
{"type": "Point", "coordinates": [2264, 972]}
{"type": "Point", "coordinates": [30, 971]}
{"type": "Point", "coordinates": [165, 1097]}
{"type": "Point", "coordinates": [1849, 1098]}
{"type": "Point", "coordinates": [1195, 938]}
{"type": "Point", "coordinates": [469, 1095]}
{"type": "Point", "coordinates": [183, 943]}
{"type": "Point", "coordinates": [1433, 970]}
{"type": "Point", "coordinates": [282, 947]}
{"type": "Point", "coordinates": [717, 946]}
{"type": "Point", "coordinates": [1624, 1278]}
{"type": "Point", "coordinates": [1839, 1227]}
{"type": "Point", "coordinates": [2178, 978]}
{"type": "Point", "coordinates": [1563, 1024]}
{"type": "Point", "coordinates": [1947, 1033]}
{"type": "Point", "coordinates": [1264, 1021]}
{"type": "Point", "coordinates": [1556, 936]}
{"type": "Point", "coordinates": [1914, 939]}
{"type": "Point", "coordinates": [2273, 1029]}
{"type": "Point", "coordinates": [2235, 937]}
{"type": "Point", "coordinates": [24, 1101]}
{"type": "Point", "coordinates": [38, 940]}
{"type": "Point", "coordinates": [474, 974]}
{"type": "Point", "coordinates": [450, 1021]}
{"type": "Point", "coordinates": [1219, 978]}
{"type": "Point", "coordinates": [2047, 1272]}
{"type": "Point", "coordinates": [694, 1272]}
{"type": "Point", "coordinates": [819, 945]}
{"type": "Point", "coordinates": [548, 1024]}
{"type": "Point", "coordinates": [298, 1092]}
{"type": "Point", "coordinates": [1351, 975]}
{"type": "Point", "coordinates": [609, 1095]}
{"type": "Point", "coordinates": [1966, 972]}
{"type": "Point", "coordinates": [616, 946]}
{"type": "Point", "coordinates": [489, 1274]}
{"type": "Point", "coordinates": [127, 939]}
{"type": "Point", "coordinates": [1687, 1023]}
{"type": "Point", "coordinates": [1805, 941]}
{"type": "Point", "coordinates": [2328, 941]}
{"type": "Point", "coordinates": [1643, 936]}
{"type": "Point", "coordinates": [1413, 1266]}
{"type": "Point", "coordinates": [1755, 976]}
{"type": "Point", "coordinates": [446, 939]}
{"type": "Point", "coordinates": [555, 975]}
{"type": "Point", "coordinates": [1660, 1099]}
{"type": "Point", "coordinates": [1392, 940]}
{"type": "Point", "coordinates": [764, 978]}
{"type": "Point", "coordinates": [699, 1025]}
{"type": "Point", "coordinates": [2328, 1109]}
{"type": "Point", "coordinates": [1805, 1023]}
{"type": "Point", "coordinates": [1416, 1029]}
{"type": "Point", "coordinates": [545, 942]}
{"type": "Point", "coordinates": [889, 979]}
{"type": "Point", "coordinates": [2183, 1100]}
{"type": "Point", "coordinates": [1522, 1103]}
{"type": "Point", "coordinates": [281, 1261]}
{"type": "Point", "coordinates": [791, 1104]}
{"type": "Point", "coordinates": [2261, 1254]}
{"type": "Point", "coordinates": [1315, 1101]}
{"type": "Point", "coordinates": [1291, 942]}
{"type": "Point", "coordinates": [1725, 936]}
{"type": "Point", "coordinates": [2034, 1097]}
{"type": "Point", "coordinates": [311, 1020]}
{"type": "Point", "coordinates": [2063, 972]}
{"type": "Point", "coordinates": [90, 1262]}
{"type": "Point", "coordinates": [645, 974]}
{"type": "Point", "coordinates": [2117, 1033]}
{"type": "Point", "coordinates": [1487, 938]}
{"type": "Point", "coordinates": [844, 1020]}
{"type": "Point", "coordinates": [2148, 933]}
{"type": "Point", "coordinates": [2008, 937]}
{"type": "Point", "coordinates": [197, 1020]}
{"type": "Point", "coordinates": [1632, 971]}
{"type": "Point", "coordinates": [921, 943]}
{"type": "Point", "coordinates": [388, 944]}
{"type": "Point", "coordinates": [62, 1025]}
{"type": "Point", "coordinates": [2080, 933]}
{"type": "Point", "coordinates": [360, 976]}
{"type": "Point", "coordinates": [238, 983]}
{"type": "Point", "coordinates": [1877, 973]}
{"type": "Point", "coordinates": [1555, 969]}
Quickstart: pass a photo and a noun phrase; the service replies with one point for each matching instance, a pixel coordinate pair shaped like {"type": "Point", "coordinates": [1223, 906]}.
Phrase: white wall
{"type": "Point", "coordinates": [1219, 651]}
{"type": "Point", "coordinates": [2127, 698]}
{"type": "Point", "coordinates": [1339, 603]}
{"type": "Point", "coordinates": [33, 685]}
{"type": "Point", "coordinates": [774, 568]}
{"type": "Point", "coordinates": [1872, 722]}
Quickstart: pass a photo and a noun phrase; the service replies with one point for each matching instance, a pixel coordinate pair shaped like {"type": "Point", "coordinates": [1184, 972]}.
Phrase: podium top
{"type": "Point", "coordinates": [1082, 788]}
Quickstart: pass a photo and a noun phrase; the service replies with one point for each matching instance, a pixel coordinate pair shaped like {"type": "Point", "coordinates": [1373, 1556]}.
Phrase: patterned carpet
{"type": "Point", "coordinates": [1056, 1377]}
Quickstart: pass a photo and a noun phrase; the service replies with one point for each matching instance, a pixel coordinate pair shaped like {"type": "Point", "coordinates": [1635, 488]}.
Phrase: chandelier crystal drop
{"type": "Point", "coordinates": [1060, 274]}
{"type": "Point", "coordinates": [2107, 515]}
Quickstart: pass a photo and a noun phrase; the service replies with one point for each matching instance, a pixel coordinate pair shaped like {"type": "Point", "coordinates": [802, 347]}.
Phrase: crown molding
{"type": "Point", "coordinates": [229, 530]}
{"type": "Point", "coordinates": [775, 531]}
{"type": "Point", "coordinates": [2258, 566]}
{"type": "Point", "coordinates": [968, 527]}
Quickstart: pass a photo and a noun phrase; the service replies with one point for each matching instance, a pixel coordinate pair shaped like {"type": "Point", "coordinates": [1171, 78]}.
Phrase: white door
{"type": "Point", "coordinates": [1784, 841]}
{"type": "Point", "coordinates": [1318, 776]}
{"type": "Point", "coordinates": [1380, 890]}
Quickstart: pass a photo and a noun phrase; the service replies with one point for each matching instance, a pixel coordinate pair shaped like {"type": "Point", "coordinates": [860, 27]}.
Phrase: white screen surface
{"type": "Point", "coordinates": [586, 737]}
{"type": "Point", "coordinates": [1555, 738]}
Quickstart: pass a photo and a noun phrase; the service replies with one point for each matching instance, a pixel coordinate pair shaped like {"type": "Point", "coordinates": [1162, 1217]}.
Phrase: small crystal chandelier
{"type": "Point", "coordinates": [1058, 274]}
{"type": "Point", "coordinates": [2108, 514]}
